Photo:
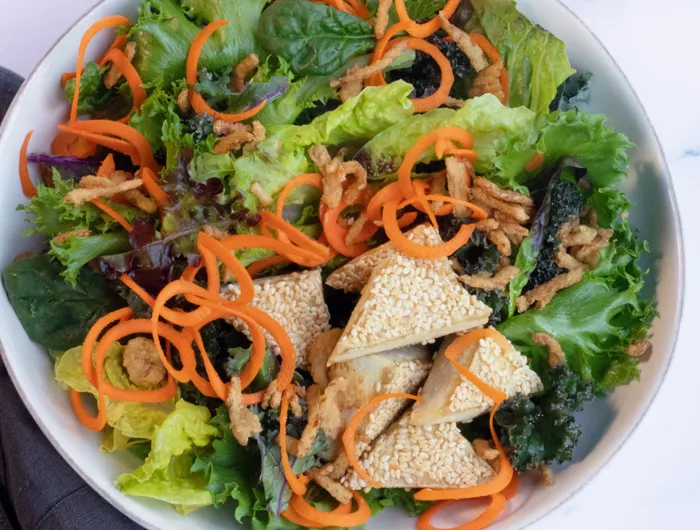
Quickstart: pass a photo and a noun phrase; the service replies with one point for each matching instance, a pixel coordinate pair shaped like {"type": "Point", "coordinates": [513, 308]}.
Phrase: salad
{"type": "Point", "coordinates": [307, 260]}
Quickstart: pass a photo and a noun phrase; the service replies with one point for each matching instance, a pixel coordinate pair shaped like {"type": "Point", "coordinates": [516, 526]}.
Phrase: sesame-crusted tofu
{"type": "Point", "coordinates": [448, 396]}
{"type": "Point", "coordinates": [359, 380]}
{"type": "Point", "coordinates": [295, 301]}
{"type": "Point", "coordinates": [409, 301]}
{"type": "Point", "coordinates": [355, 274]}
{"type": "Point", "coordinates": [411, 456]}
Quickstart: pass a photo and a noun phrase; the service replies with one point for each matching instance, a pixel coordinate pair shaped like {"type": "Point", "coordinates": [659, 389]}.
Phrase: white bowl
{"type": "Point", "coordinates": [606, 424]}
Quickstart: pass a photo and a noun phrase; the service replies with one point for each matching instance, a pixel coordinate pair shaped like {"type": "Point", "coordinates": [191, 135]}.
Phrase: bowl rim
{"type": "Point", "coordinates": [618, 444]}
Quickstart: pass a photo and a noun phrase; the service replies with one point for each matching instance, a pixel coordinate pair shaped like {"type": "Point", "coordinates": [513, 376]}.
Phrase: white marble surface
{"type": "Point", "coordinates": [653, 481]}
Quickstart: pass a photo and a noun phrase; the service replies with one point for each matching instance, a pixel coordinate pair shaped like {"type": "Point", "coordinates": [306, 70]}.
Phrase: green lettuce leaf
{"type": "Point", "coordinates": [166, 474]}
{"type": "Point", "coordinates": [315, 39]}
{"type": "Point", "coordinates": [536, 60]}
{"type": "Point", "coordinates": [79, 251]}
{"type": "Point", "coordinates": [132, 422]}
{"type": "Point", "coordinates": [525, 261]}
{"type": "Point", "coordinates": [231, 470]}
{"type": "Point", "coordinates": [48, 214]}
{"type": "Point", "coordinates": [282, 155]}
{"type": "Point", "coordinates": [485, 118]}
{"type": "Point", "coordinates": [601, 150]}
{"type": "Point", "coordinates": [94, 96]}
{"type": "Point", "coordinates": [165, 29]}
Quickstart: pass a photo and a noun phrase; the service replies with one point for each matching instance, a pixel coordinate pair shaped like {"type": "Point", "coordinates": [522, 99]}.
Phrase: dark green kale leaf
{"type": "Point", "coordinates": [479, 254]}
{"type": "Point", "coordinates": [541, 429]}
{"type": "Point", "coordinates": [497, 300]}
{"type": "Point", "coordinates": [53, 312]}
{"type": "Point", "coordinates": [573, 93]}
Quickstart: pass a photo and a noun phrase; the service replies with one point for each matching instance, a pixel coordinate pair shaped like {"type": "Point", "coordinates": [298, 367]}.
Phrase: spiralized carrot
{"type": "Point", "coordinates": [25, 179]}
{"type": "Point", "coordinates": [447, 78]}
{"type": "Point", "coordinates": [196, 100]}
{"type": "Point", "coordinates": [380, 49]}
{"type": "Point", "coordinates": [296, 235]}
{"type": "Point", "coordinates": [535, 162]}
{"type": "Point", "coordinates": [386, 194]}
{"type": "Point", "coordinates": [107, 166]}
{"type": "Point", "coordinates": [67, 144]}
{"type": "Point", "coordinates": [469, 154]}
{"type": "Point", "coordinates": [123, 132]}
{"type": "Point", "coordinates": [333, 519]}
{"type": "Point", "coordinates": [297, 519]}
{"type": "Point", "coordinates": [505, 475]}
{"type": "Point", "coordinates": [108, 22]}
{"type": "Point", "coordinates": [512, 488]}
{"type": "Point", "coordinates": [336, 235]}
{"type": "Point", "coordinates": [235, 267]}
{"type": "Point", "coordinates": [133, 79]}
{"type": "Point", "coordinates": [293, 253]}
{"type": "Point", "coordinates": [310, 179]}
{"type": "Point", "coordinates": [131, 327]}
{"type": "Point", "coordinates": [138, 290]}
{"type": "Point", "coordinates": [112, 213]}
{"type": "Point", "coordinates": [351, 430]}
{"type": "Point", "coordinates": [255, 268]}
{"type": "Point", "coordinates": [416, 250]}
{"type": "Point", "coordinates": [151, 185]}
{"type": "Point", "coordinates": [424, 30]}
{"type": "Point", "coordinates": [90, 341]}
{"type": "Point", "coordinates": [119, 43]}
{"type": "Point", "coordinates": [359, 9]}
{"type": "Point", "coordinates": [488, 516]}
{"type": "Point", "coordinates": [477, 212]}
{"type": "Point", "coordinates": [115, 144]}
{"type": "Point", "coordinates": [421, 198]}
{"type": "Point", "coordinates": [414, 153]}
{"type": "Point", "coordinates": [298, 487]}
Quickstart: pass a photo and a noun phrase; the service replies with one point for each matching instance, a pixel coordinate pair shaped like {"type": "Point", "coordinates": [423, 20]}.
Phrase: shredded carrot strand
{"type": "Point", "coordinates": [151, 185]}
{"type": "Point", "coordinates": [415, 153]}
{"type": "Point", "coordinates": [293, 253]}
{"type": "Point", "coordinates": [245, 283]}
{"type": "Point", "coordinates": [108, 22]}
{"type": "Point", "coordinates": [469, 154]}
{"type": "Point", "coordinates": [67, 144]}
{"type": "Point", "coordinates": [310, 179]}
{"type": "Point", "coordinates": [333, 519]}
{"type": "Point", "coordinates": [107, 167]}
{"type": "Point", "coordinates": [25, 179]}
{"type": "Point", "coordinates": [351, 430]}
{"type": "Point", "coordinates": [125, 133]}
{"type": "Point", "coordinates": [335, 234]}
{"type": "Point", "coordinates": [489, 49]}
{"type": "Point", "coordinates": [447, 75]}
{"type": "Point", "coordinates": [425, 30]}
{"type": "Point", "coordinates": [196, 100]}
{"type": "Point", "coordinates": [360, 10]}
{"type": "Point", "coordinates": [255, 268]}
{"type": "Point", "coordinates": [115, 144]}
{"type": "Point", "coordinates": [296, 235]}
{"type": "Point", "coordinates": [535, 162]}
{"type": "Point", "coordinates": [420, 197]}
{"type": "Point", "coordinates": [488, 516]}
{"type": "Point", "coordinates": [138, 290]}
{"type": "Point", "coordinates": [297, 519]}
{"type": "Point", "coordinates": [112, 213]}
{"type": "Point", "coordinates": [133, 79]}
{"type": "Point", "coordinates": [90, 341]}
{"type": "Point", "coordinates": [388, 193]}
{"type": "Point", "coordinates": [477, 212]}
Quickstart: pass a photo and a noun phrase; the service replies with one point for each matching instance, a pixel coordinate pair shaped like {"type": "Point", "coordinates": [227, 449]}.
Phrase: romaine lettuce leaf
{"type": "Point", "coordinates": [165, 29]}
{"type": "Point", "coordinates": [129, 420]}
{"type": "Point", "coordinates": [166, 474]}
{"type": "Point", "coordinates": [282, 155]}
{"type": "Point", "coordinates": [485, 118]}
{"type": "Point", "coordinates": [536, 60]}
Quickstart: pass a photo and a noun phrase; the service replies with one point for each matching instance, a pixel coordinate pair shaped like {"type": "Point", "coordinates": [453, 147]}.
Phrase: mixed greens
{"type": "Point", "coordinates": [536, 153]}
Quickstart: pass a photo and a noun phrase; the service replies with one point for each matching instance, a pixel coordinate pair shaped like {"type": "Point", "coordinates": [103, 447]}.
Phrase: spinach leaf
{"type": "Point", "coordinates": [53, 313]}
{"type": "Point", "coordinates": [315, 39]}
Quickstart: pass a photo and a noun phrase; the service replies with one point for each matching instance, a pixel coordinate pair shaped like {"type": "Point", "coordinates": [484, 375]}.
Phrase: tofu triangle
{"type": "Point", "coordinates": [412, 456]}
{"type": "Point", "coordinates": [409, 301]}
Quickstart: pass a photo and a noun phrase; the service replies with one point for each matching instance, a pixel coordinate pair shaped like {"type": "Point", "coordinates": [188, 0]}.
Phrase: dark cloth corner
{"type": "Point", "coordinates": [38, 489]}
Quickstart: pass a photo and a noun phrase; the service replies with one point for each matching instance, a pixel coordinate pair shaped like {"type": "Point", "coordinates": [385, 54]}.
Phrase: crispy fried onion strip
{"type": "Point", "coordinates": [543, 294]}
{"type": "Point", "coordinates": [556, 353]}
{"type": "Point", "coordinates": [464, 42]}
{"type": "Point", "coordinates": [498, 281]}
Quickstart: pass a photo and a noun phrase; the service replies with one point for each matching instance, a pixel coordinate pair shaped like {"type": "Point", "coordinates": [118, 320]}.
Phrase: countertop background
{"type": "Point", "coordinates": [654, 479]}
